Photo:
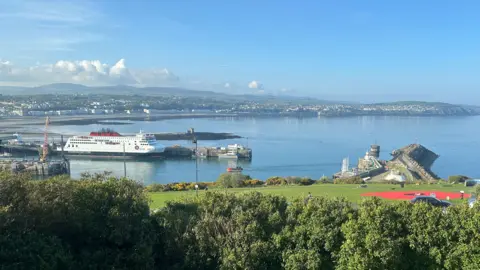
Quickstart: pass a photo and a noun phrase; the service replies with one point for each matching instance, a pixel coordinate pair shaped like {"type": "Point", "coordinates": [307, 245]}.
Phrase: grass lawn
{"type": "Point", "coordinates": [351, 192]}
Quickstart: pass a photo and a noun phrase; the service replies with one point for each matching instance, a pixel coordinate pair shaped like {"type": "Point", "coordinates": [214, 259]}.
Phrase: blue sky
{"type": "Point", "coordinates": [344, 50]}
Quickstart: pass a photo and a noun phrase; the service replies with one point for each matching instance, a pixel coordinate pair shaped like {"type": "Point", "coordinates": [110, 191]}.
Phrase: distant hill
{"type": "Point", "coordinates": [468, 108]}
{"type": "Point", "coordinates": [70, 88]}
{"type": "Point", "coordinates": [420, 103]}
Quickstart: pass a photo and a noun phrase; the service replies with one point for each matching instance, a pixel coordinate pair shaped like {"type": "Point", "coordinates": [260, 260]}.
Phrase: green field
{"type": "Point", "coordinates": [351, 192]}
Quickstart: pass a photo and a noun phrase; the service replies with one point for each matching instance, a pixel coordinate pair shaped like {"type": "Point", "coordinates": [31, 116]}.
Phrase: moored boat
{"type": "Point", "coordinates": [235, 169]}
{"type": "Point", "coordinates": [109, 144]}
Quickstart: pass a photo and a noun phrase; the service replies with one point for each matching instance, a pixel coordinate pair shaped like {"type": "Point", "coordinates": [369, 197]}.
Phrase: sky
{"type": "Point", "coordinates": [358, 50]}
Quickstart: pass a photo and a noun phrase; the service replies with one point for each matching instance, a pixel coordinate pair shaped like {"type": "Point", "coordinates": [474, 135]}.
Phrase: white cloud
{"type": "Point", "coordinates": [255, 85]}
{"type": "Point", "coordinates": [226, 85]}
{"type": "Point", "coordinates": [88, 72]}
{"type": "Point", "coordinates": [5, 67]}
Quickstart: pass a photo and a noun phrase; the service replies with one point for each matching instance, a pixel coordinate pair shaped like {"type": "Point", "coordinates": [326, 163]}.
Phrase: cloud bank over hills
{"type": "Point", "coordinates": [88, 72]}
{"type": "Point", "coordinates": [98, 73]}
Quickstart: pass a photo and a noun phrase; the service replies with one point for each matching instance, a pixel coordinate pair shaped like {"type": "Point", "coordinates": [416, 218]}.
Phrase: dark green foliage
{"type": "Point", "coordinates": [312, 236]}
{"type": "Point", "coordinates": [30, 250]}
{"type": "Point", "coordinates": [102, 222]}
{"type": "Point", "coordinates": [305, 181]}
{"type": "Point", "coordinates": [232, 180]}
{"type": "Point", "coordinates": [457, 178]}
{"type": "Point", "coordinates": [291, 180]}
{"type": "Point", "coordinates": [375, 239]}
{"type": "Point", "coordinates": [223, 231]}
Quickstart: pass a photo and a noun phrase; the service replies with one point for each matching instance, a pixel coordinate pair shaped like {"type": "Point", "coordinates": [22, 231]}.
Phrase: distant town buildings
{"type": "Point", "coordinates": [42, 105]}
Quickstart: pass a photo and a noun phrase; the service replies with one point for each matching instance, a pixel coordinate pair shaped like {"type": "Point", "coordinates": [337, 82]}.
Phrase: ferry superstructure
{"type": "Point", "coordinates": [109, 143]}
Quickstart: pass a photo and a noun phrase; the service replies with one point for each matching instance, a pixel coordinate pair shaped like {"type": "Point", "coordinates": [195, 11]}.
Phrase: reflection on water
{"type": "Point", "coordinates": [140, 171]}
{"type": "Point", "coordinates": [156, 171]}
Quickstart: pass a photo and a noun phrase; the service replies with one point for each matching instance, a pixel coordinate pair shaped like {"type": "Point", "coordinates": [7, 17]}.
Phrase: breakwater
{"type": "Point", "coordinates": [203, 136]}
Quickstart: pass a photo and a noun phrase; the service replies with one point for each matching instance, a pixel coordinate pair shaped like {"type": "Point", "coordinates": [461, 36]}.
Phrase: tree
{"type": "Point", "coordinates": [312, 236]}
{"type": "Point", "coordinates": [426, 236]}
{"type": "Point", "coordinates": [224, 231]}
{"type": "Point", "coordinates": [28, 249]}
{"type": "Point", "coordinates": [302, 259]}
{"type": "Point", "coordinates": [232, 180]}
{"type": "Point", "coordinates": [325, 180]}
{"type": "Point", "coordinates": [104, 224]}
{"type": "Point", "coordinates": [376, 239]}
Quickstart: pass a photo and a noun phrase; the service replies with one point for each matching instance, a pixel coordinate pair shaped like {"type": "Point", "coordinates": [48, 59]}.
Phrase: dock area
{"type": "Point", "coordinates": [233, 151]}
{"type": "Point", "coordinates": [171, 152]}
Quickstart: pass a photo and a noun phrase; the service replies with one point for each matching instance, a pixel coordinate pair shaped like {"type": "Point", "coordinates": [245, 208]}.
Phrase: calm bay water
{"type": "Point", "coordinates": [298, 147]}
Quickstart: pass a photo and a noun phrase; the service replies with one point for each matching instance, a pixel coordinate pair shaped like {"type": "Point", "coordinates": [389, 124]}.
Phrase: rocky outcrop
{"type": "Point", "coordinates": [417, 159]}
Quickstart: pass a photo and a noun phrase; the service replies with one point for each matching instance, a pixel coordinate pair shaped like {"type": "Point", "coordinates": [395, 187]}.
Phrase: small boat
{"type": "Point", "coordinates": [5, 154]}
{"type": "Point", "coordinates": [234, 169]}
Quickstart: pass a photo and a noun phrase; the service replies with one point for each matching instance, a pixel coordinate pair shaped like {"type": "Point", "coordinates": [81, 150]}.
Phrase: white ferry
{"type": "Point", "coordinates": [108, 143]}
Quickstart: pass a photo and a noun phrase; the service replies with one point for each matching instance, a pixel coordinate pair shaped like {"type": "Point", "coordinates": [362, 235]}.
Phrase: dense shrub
{"type": "Point", "coordinates": [217, 230]}
{"type": "Point", "coordinates": [175, 186]}
{"type": "Point", "coordinates": [90, 224]}
{"type": "Point", "coordinates": [457, 178]}
{"type": "Point", "coordinates": [253, 183]}
{"type": "Point", "coordinates": [232, 180]}
{"type": "Point", "coordinates": [375, 239]}
{"type": "Point", "coordinates": [275, 181]}
{"type": "Point", "coordinates": [293, 180]}
{"type": "Point", "coordinates": [325, 180]}
{"type": "Point", "coordinates": [30, 250]}
{"type": "Point", "coordinates": [305, 181]}
{"type": "Point", "coordinates": [312, 236]}
{"type": "Point", "coordinates": [154, 188]}
{"type": "Point", "coordinates": [105, 223]}
{"type": "Point", "coordinates": [349, 180]}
